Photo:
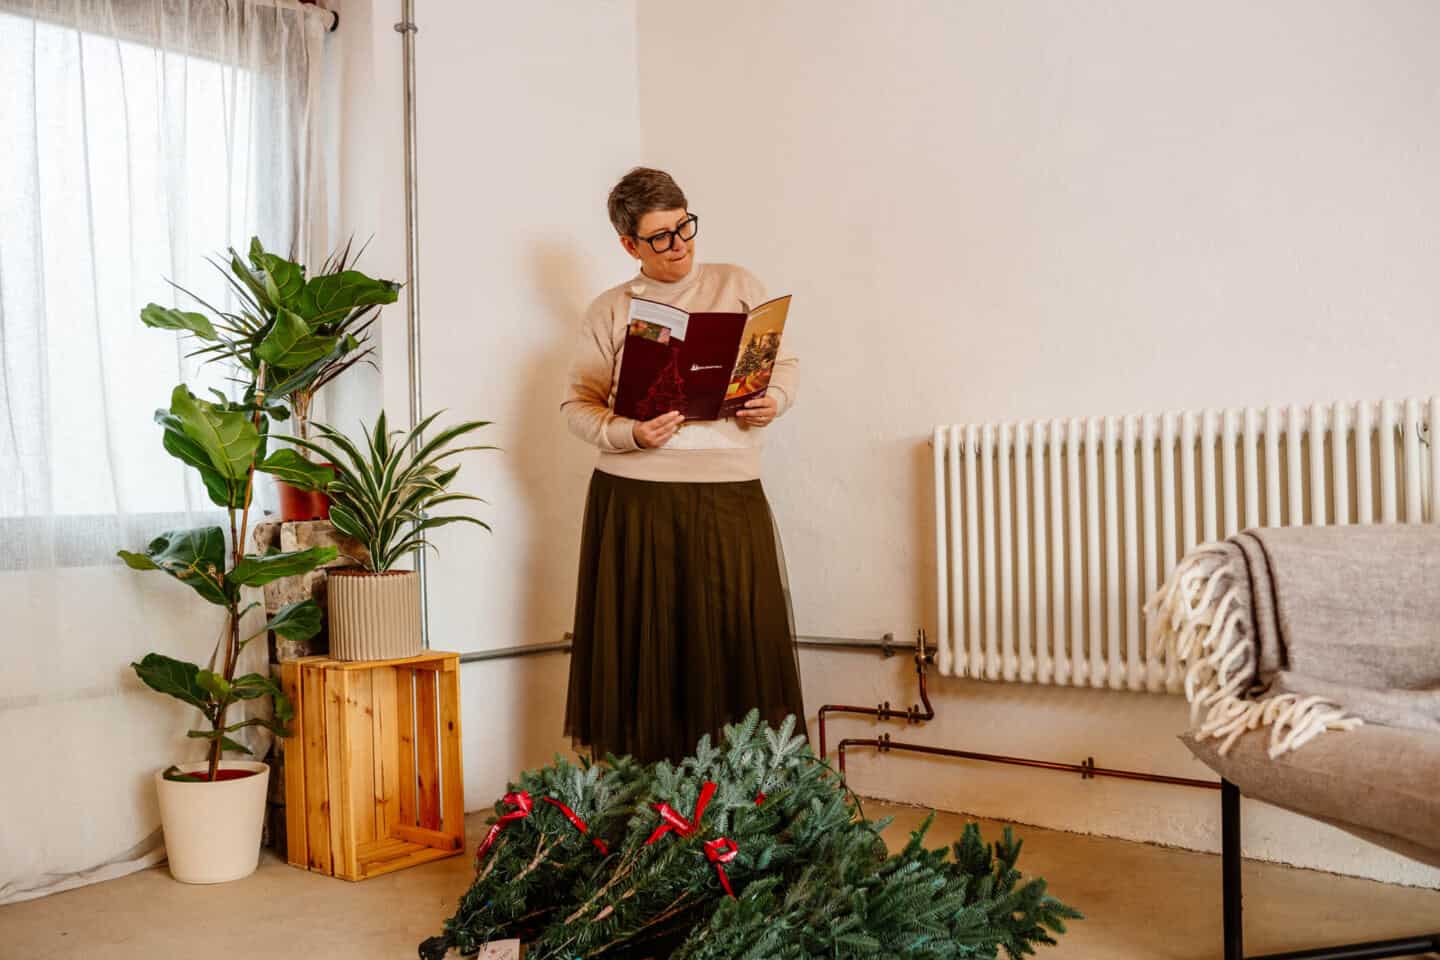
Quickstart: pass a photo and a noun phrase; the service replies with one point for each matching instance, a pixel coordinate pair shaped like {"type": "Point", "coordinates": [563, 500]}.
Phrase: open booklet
{"type": "Point", "coordinates": [705, 365]}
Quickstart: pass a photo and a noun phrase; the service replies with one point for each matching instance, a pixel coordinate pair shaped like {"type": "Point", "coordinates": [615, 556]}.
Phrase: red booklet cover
{"type": "Point", "coordinates": [706, 365]}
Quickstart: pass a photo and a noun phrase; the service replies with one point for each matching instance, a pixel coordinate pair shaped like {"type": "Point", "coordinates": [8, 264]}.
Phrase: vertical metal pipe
{"type": "Point", "coordinates": [990, 667]}
{"type": "Point", "coordinates": [1273, 515]}
{"type": "Point", "coordinates": [1410, 432]}
{"type": "Point", "coordinates": [407, 30]}
{"type": "Point", "coordinates": [1044, 659]}
{"type": "Point", "coordinates": [1005, 664]}
{"type": "Point", "coordinates": [1094, 635]}
{"type": "Point", "coordinates": [1434, 459]}
{"type": "Point", "coordinates": [1250, 458]}
{"type": "Point", "coordinates": [1294, 470]}
{"type": "Point", "coordinates": [1060, 628]}
{"type": "Point", "coordinates": [1319, 498]}
{"type": "Point", "coordinates": [942, 563]}
{"type": "Point", "coordinates": [1022, 558]}
{"type": "Point", "coordinates": [1364, 477]}
{"type": "Point", "coordinates": [1388, 512]}
{"type": "Point", "coordinates": [974, 664]}
{"type": "Point", "coordinates": [1187, 482]}
{"type": "Point", "coordinates": [1340, 460]}
{"type": "Point", "coordinates": [1114, 664]}
{"type": "Point", "coordinates": [1079, 666]}
{"type": "Point", "coordinates": [1209, 497]}
{"type": "Point", "coordinates": [1154, 666]}
{"type": "Point", "coordinates": [956, 662]}
{"type": "Point", "coordinates": [1229, 475]}
{"type": "Point", "coordinates": [1134, 602]}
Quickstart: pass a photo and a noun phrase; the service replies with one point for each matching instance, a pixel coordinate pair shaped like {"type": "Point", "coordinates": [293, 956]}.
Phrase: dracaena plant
{"type": "Point", "coordinates": [225, 441]}
{"type": "Point", "coordinates": [384, 495]}
{"type": "Point", "coordinates": [305, 331]}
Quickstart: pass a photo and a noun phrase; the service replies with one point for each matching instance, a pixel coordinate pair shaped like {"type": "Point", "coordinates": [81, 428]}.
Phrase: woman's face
{"type": "Point", "coordinates": [666, 266]}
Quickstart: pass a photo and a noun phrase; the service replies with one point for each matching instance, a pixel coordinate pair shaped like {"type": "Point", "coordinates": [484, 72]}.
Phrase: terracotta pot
{"type": "Point", "coordinates": [212, 830]}
{"type": "Point", "coordinates": [297, 504]}
{"type": "Point", "coordinates": [373, 616]}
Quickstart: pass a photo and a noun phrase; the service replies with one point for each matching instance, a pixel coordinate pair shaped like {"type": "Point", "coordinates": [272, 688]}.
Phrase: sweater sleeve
{"type": "Point", "coordinates": [587, 388]}
{"type": "Point", "coordinates": [785, 375]}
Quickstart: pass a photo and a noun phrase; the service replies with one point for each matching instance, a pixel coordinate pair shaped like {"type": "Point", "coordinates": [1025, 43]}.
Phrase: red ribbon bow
{"type": "Point", "coordinates": [721, 851]}
{"type": "Point", "coordinates": [579, 824]}
{"type": "Point", "coordinates": [672, 820]}
{"type": "Point", "coordinates": [520, 800]}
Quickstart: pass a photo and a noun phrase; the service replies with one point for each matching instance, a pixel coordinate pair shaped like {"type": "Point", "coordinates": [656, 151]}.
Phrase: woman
{"type": "Point", "coordinates": [682, 621]}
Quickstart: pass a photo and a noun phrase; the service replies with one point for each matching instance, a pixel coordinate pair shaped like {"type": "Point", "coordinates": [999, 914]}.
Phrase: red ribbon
{"type": "Point", "coordinates": [520, 800]}
{"type": "Point", "coordinates": [760, 798]}
{"type": "Point", "coordinates": [672, 820]}
{"type": "Point", "coordinates": [579, 824]}
{"type": "Point", "coordinates": [721, 851]}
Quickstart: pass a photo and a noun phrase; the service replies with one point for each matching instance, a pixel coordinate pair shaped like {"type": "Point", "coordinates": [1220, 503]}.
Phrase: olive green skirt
{"type": "Point", "coordinates": [682, 617]}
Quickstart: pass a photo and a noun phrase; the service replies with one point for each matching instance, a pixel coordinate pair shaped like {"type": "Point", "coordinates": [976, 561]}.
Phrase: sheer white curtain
{"type": "Point", "coordinates": [137, 138]}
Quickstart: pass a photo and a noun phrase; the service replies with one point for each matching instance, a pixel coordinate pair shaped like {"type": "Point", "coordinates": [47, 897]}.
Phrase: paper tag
{"type": "Point", "coordinates": [501, 950]}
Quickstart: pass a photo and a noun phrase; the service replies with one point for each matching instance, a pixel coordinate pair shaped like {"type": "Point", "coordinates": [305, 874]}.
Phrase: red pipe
{"type": "Point", "coordinates": [884, 711]}
{"type": "Point", "coordinates": [915, 715]}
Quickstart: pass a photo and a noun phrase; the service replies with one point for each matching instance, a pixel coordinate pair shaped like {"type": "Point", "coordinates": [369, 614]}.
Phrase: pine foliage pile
{"type": "Point", "coordinates": [779, 864]}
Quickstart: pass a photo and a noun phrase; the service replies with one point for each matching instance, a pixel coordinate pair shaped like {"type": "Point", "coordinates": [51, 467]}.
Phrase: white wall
{"type": "Point", "coordinates": [986, 211]}
{"type": "Point", "coordinates": [527, 114]}
{"type": "Point", "coordinates": [1000, 211]}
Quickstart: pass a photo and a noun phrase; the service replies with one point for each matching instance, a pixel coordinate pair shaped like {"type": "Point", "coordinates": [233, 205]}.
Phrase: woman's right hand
{"type": "Point", "coordinates": [657, 432]}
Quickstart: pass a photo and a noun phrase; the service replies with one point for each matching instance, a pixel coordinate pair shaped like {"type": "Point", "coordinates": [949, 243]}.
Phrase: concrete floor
{"type": "Point", "coordinates": [1142, 903]}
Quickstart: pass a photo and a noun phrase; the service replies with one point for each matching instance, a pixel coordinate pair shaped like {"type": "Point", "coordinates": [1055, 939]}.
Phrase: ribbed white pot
{"type": "Point", "coordinates": [374, 616]}
{"type": "Point", "coordinates": [212, 829]}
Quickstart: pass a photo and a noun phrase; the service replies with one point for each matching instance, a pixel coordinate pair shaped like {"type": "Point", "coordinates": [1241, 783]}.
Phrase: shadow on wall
{"type": "Point", "coordinates": [552, 468]}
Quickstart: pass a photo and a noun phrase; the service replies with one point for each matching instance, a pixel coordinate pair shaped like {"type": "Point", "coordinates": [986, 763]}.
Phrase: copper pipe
{"type": "Point", "coordinates": [915, 715]}
{"type": "Point", "coordinates": [912, 714]}
{"type": "Point", "coordinates": [1087, 769]}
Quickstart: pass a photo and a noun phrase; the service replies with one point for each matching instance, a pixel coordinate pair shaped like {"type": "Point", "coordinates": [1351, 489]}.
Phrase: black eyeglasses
{"type": "Point", "coordinates": [665, 239]}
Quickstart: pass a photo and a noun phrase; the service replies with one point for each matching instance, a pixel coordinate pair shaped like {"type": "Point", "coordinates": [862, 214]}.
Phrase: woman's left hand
{"type": "Point", "coordinates": [758, 412]}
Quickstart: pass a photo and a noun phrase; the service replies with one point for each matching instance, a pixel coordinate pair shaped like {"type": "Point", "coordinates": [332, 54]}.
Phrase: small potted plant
{"type": "Point", "coordinates": [319, 329]}
{"type": "Point", "coordinates": [212, 811]}
{"type": "Point", "coordinates": [383, 497]}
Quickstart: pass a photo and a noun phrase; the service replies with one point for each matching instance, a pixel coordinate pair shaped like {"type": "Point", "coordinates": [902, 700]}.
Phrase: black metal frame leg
{"type": "Point", "coordinates": [1232, 899]}
{"type": "Point", "coordinates": [1230, 870]}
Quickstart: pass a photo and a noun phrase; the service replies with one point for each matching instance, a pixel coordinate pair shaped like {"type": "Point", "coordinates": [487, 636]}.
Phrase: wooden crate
{"type": "Point", "coordinates": [372, 774]}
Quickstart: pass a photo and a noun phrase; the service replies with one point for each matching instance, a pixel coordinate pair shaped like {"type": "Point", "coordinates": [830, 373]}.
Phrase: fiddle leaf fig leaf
{"type": "Point", "coordinates": [168, 318]}
{"type": "Point", "coordinates": [228, 438]}
{"type": "Point", "coordinates": [291, 344]}
{"type": "Point", "coordinates": [174, 677]}
{"type": "Point", "coordinates": [194, 557]}
{"type": "Point", "coordinates": [294, 469]}
{"type": "Point", "coordinates": [256, 571]}
{"type": "Point", "coordinates": [297, 621]}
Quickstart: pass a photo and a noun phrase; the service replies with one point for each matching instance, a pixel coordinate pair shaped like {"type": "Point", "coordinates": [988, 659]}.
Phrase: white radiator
{"type": "Point", "coordinates": [1051, 535]}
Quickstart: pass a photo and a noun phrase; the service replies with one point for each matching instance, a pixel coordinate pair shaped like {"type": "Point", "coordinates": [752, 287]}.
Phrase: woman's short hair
{"type": "Point", "coordinates": [641, 191]}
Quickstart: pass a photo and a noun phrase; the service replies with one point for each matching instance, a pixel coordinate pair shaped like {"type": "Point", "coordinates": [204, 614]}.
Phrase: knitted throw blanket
{"type": "Point", "coordinates": [1306, 629]}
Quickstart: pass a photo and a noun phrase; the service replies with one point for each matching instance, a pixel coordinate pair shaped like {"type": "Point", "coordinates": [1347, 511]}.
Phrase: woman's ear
{"type": "Point", "coordinates": [629, 244]}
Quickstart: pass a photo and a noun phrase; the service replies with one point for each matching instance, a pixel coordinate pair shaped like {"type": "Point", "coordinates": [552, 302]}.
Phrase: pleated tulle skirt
{"type": "Point", "coordinates": [682, 617]}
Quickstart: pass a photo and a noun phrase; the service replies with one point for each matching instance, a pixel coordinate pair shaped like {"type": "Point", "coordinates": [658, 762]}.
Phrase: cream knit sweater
{"type": "Point", "coordinates": [711, 451]}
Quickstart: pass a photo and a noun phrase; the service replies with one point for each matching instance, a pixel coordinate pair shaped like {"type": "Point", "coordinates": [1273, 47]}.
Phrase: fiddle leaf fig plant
{"type": "Point", "coordinates": [384, 495]}
{"type": "Point", "coordinates": [306, 331]}
{"type": "Point", "coordinates": [226, 441]}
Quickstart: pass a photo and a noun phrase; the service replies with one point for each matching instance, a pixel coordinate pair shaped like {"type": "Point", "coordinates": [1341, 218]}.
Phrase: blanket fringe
{"type": "Point", "coordinates": [1200, 621]}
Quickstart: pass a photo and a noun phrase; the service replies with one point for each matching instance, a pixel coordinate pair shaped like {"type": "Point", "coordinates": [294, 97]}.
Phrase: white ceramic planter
{"type": "Point", "coordinates": [374, 616]}
{"type": "Point", "coordinates": [212, 830]}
